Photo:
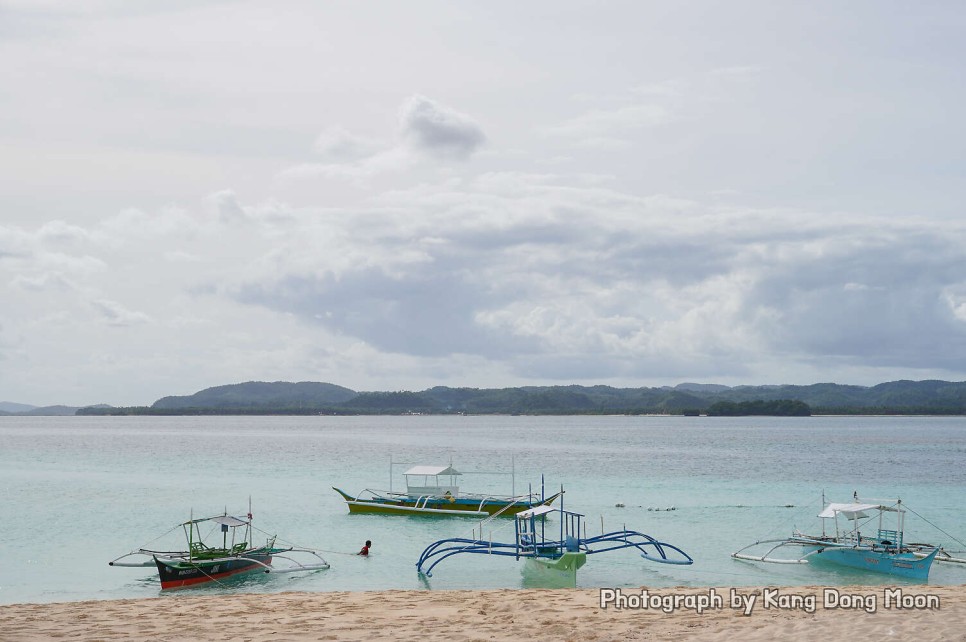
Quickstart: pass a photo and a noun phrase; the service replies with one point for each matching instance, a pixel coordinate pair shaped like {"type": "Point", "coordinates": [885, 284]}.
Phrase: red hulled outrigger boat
{"type": "Point", "coordinates": [207, 560]}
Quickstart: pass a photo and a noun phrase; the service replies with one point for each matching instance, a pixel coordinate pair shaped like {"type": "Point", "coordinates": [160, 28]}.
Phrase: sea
{"type": "Point", "coordinates": [78, 492]}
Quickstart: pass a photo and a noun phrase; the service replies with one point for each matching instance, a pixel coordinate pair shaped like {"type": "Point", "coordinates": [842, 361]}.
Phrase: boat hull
{"type": "Point", "coordinates": [181, 573]}
{"type": "Point", "coordinates": [899, 564]}
{"type": "Point", "coordinates": [461, 507]}
{"type": "Point", "coordinates": [553, 573]}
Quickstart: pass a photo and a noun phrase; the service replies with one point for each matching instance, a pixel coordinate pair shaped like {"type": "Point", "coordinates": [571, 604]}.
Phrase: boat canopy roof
{"type": "Point", "coordinates": [228, 520]}
{"type": "Point", "coordinates": [432, 470]}
{"type": "Point", "coordinates": [536, 511]}
{"type": "Point", "coordinates": [853, 510]}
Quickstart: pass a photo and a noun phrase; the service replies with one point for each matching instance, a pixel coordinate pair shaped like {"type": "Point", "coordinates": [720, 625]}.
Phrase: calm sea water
{"type": "Point", "coordinates": [79, 491]}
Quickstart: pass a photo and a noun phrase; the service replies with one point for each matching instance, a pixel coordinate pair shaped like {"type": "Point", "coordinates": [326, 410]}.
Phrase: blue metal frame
{"type": "Point", "coordinates": [531, 543]}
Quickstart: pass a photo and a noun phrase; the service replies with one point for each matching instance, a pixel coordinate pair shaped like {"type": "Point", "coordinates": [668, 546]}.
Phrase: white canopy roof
{"type": "Point", "coordinates": [432, 470]}
{"type": "Point", "coordinates": [228, 520]}
{"type": "Point", "coordinates": [537, 510]}
{"type": "Point", "coordinates": [852, 511]}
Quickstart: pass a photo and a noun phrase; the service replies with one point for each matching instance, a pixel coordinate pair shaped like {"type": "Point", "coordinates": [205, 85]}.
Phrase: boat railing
{"type": "Point", "coordinates": [381, 494]}
{"type": "Point", "coordinates": [486, 498]}
{"type": "Point", "coordinates": [421, 501]}
{"type": "Point", "coordinates": [528, 499]}
{"type": "Point", "coordinates": [889, 538]}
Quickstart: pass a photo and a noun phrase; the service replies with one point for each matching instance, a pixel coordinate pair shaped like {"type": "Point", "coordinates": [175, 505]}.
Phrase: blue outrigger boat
{"type": "Point", "coordinates": [551, 554]}
{"type": "Point", "coordinates": [884, 552]}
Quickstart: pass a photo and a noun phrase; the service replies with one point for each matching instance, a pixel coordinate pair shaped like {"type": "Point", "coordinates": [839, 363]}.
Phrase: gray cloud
{"type": "Point", "coordinates": [556, 281]}
{"type": "Point", "coordinates": [427, 313]}
{"type": "Point", "coordinates": [437, 130]}
{"type": "Point", "coordinates": [870, 299]}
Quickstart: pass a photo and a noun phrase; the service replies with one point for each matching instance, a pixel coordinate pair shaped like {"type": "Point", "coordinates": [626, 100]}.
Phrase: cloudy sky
{"type": "Point", "coordinates": [397, 195]}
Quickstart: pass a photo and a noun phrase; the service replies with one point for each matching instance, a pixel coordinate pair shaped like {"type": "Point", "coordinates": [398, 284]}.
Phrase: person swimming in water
{"type": "Point", "coordinates": [365, 549]}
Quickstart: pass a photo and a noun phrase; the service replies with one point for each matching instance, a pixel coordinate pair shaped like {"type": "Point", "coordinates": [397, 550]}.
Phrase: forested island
{"type": "Point", "coordinates": [315, 398]}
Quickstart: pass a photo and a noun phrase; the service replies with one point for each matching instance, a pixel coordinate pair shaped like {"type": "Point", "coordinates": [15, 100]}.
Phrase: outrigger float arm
{"type": "Point", "coordinates": [778, 543]}
{"type": "Point", "coordinates": [321, 566]}
{"type": "Point", "coordinates": [149, 554]}
{"type": "Point", "coordinates": [622, 539]}
{"type": "Point", "coordinates": [178, 557]}
{"type": "Point", "coordinates": [454, 546]}
{"type": "Point", "coordinates": [444, 548]}
{"type": "Point", "coordinates": [117, 562]}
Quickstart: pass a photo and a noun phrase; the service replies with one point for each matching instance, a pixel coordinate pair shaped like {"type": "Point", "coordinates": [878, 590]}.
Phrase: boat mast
{"type": "Point", "coordinates": [248, 527]}
{"type": "Point", "coordinates": [823, 507]}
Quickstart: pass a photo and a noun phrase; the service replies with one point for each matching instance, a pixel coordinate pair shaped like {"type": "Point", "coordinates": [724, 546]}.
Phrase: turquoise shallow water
{"type": "Point", "coordinates": [80, 491]}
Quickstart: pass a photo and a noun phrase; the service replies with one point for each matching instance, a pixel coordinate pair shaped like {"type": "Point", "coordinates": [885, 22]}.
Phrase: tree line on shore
{"type": "Point", "coordinates": [313, 398]}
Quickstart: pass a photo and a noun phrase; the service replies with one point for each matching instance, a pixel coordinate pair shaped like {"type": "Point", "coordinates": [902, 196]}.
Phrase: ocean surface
{"type": "Point", "coordinates": [77, 492]}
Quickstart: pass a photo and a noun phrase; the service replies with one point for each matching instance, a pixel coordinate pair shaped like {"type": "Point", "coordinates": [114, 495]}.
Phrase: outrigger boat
{"type": "Point", "coordinates": [427, 494]}
{"type": "Point", "coordinates": [234, 555]}
{"type": "Point", "coordinates": [551, 558]}
{"type": "Point", "coordinates": [885, 552]}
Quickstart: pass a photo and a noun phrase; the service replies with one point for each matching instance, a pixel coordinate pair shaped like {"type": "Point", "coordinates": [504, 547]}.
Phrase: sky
{"type": "Point", "coordinates": [398, 195]}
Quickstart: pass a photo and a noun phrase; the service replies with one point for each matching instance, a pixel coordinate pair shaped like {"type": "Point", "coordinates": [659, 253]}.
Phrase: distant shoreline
{"type": "Point", "coordinates": [901, 398]}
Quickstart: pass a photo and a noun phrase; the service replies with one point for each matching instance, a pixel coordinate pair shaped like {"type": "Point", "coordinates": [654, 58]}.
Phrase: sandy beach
{"type": "Point", "coordinates": [746, 613]}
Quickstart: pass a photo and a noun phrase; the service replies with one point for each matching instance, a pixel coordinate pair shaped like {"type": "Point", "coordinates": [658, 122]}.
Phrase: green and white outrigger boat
{"type": "Point", "coordinates": [207, 558]}
{"type": "Point", "coordinates": [552, 555]}
{"type": "Point", "coordinates": [433, 490]}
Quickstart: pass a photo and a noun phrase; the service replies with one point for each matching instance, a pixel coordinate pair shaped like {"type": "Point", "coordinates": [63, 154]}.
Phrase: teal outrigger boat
{"type": "Point", "coordinates": [552, 555]}
{"type": "Point", "coordinates": [883, 551]}
{"type": "Point", "coordinates": [433, 490]}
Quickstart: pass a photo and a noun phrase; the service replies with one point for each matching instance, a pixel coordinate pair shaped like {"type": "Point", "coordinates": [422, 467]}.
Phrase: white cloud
{"type": "Point", "coordinates": [60, 231]}
{"type": "Point", "coordinates": [226, 208]}
{"type": "Point", "coordinates": [340, 144]}
{"type": "Point", "coordinates": [738, 70]}
{"type": "Point", "coordinates": [427, 132]}
{"type": "Point", "coordinates": [608, 125]}
{"type": "Point", "coordinates": [391, 160]}
{"type": "Point", "coordinates": [113, 313]}
{"type": "Point", "coordinates": [48, 281]}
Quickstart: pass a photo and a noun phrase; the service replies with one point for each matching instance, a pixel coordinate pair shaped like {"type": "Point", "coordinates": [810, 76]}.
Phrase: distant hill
{"type": "Point", "coordinates": [11, 407]}
{"type": "Point", "coordinates": [701, 387]}
{"type": "Point", "coordinates": [260, 394]}
{"type": "Point", "coordinates": [896, 397]}
{"type": "Point", "coordinates": [44, 411]}
{"type": "Point", "coordinates": [59, 411]}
